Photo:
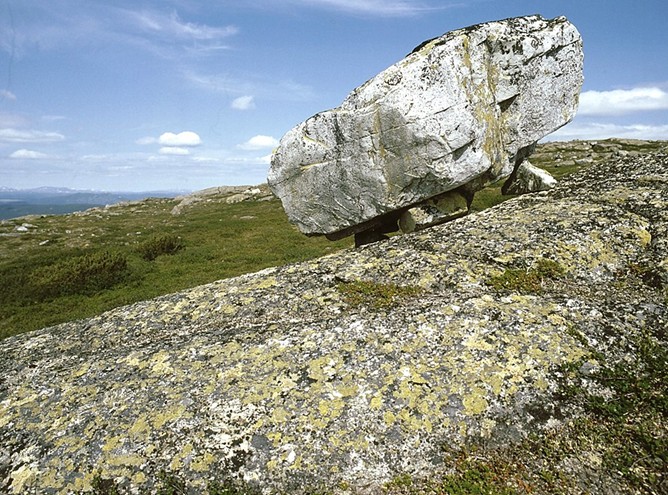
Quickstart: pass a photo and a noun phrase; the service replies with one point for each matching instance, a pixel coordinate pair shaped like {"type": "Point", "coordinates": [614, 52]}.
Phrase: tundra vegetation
{"type": "Point", "coordinates": [66, 267]}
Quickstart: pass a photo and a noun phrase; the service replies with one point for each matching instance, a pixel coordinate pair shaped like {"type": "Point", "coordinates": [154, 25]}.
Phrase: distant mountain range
{"type": "Point", "coordinates": [59, 200]}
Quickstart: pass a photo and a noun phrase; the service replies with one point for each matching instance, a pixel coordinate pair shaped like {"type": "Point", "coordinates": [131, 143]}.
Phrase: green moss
{"type": "Point", "coordinates": [375, 295]}
{"type": "Point", "coordinates": [398, 482]}
{"type": "Point", "coordinates": [467, 478]}
{"type": "Point", "coordinates": [527, 281]}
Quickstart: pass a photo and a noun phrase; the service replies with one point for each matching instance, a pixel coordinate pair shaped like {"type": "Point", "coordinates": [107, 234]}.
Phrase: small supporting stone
{"type": "Point", "coordinates": [444, 208]}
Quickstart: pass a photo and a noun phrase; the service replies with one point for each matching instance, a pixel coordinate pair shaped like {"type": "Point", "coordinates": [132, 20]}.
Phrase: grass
{"type": "Point", "coordinates": [76, 266]}
{"type": "Point", "coordinates": [630, 418]}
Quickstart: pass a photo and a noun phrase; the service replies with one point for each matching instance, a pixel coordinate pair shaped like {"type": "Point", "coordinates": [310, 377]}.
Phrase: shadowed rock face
{"type": "Point", "coordinates": [281, 379]}
{"type": "Point", "coordinates": [460, 111]}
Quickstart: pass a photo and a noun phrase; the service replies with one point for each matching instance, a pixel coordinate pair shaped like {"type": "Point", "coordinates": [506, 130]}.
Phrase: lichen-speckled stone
{"type": "Point", "coordinates": [460, 110]}
{"type": "Point", "coordinates": [275, 378]}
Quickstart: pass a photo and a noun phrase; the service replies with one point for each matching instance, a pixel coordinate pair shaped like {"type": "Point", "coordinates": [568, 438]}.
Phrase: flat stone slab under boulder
{"type": "Point", "coordinates": [459, 112]}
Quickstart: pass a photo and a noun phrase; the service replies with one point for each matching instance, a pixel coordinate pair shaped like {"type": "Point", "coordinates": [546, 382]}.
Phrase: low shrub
{"type": "Point", "coordinates": [166, 244]}
{"type": "Point", "coordinates": [85, 274]}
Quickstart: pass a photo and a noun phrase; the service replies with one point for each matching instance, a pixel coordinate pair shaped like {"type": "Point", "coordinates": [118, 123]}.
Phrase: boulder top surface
{"type": "Point", "coordinates": [459, 112]}
{"type": "Point", "coordinates": [347, 372]}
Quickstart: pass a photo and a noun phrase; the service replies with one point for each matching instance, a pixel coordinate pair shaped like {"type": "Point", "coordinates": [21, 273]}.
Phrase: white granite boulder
{"type": "Point", "coordinates": [527, 179]}
{"type": "Point", "coordinates": [459, 112]}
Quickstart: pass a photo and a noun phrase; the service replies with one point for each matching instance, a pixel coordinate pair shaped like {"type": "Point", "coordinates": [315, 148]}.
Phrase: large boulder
{"type": "Point", "coordinates": [460, 111]}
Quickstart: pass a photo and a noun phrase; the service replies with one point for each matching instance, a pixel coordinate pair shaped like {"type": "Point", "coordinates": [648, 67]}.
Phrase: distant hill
{"type": "Point", "coordinates": [55, 200]}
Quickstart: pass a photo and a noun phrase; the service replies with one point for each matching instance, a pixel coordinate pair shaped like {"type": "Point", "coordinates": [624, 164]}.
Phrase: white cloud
{"type": "Point", "coordinates": [146, 140]}
{"type": "Point", "coordinates": [174, 150]}
{"type": "Point", "coordinates": [7, 95]}
{"type": "Point", "coordinates": [53, 118]}
{"type": "Point", "coordinates": [243, 103]}
{"type": "Point", "coordinates": [28, 154]}
{"type": "Point", "coordinates": [186, 138]}
{"type": "Point", "coordinates": [286, 90]}
{"type": "Point", "coordinates": [266, 159]}
{"type": "Point", "coordinates": [622, 101]}
{"type": "Point", "coordinates": [172, 26]}
{"type": "Point", "coordinates": [373, 7]}
{"type": "Point", "coordinates": [259, 142]}
{"type": "Point", "coordinates": [607, 130]}
{"type": "Point", "coordinates": [17, 136]}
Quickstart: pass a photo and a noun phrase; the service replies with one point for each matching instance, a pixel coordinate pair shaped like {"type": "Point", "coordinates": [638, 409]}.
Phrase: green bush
{"type": "Point", "coordinates": [86, 274]}
{"type": "Point", "coordinates": [156, 246]}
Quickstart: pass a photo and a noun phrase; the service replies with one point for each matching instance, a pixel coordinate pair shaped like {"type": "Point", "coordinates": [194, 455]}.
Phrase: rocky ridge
{"type": "Point", "coordinates": [354, 370]}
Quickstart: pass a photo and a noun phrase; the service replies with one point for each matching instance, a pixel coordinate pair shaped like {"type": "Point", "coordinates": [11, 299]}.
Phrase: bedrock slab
{"type": "Point", "coordinates": [282, 381]}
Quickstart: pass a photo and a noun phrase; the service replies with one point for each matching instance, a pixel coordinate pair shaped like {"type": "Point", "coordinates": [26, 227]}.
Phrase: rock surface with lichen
{"type": "Point", "coordinates": [347, 373]}
{"type": "Point", "coordinates": [461, 111]}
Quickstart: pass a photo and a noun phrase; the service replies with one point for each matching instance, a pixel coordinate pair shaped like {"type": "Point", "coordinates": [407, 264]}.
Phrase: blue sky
{"type": "Point", "coordinates": [141, 95]}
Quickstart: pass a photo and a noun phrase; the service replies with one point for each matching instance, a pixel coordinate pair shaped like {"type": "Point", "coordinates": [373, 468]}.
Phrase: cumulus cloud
{"type": "Point", "coordinates": [597, 130]}
{"type": "Point", "coordinates": [186, 138]}
{"type": "Point", "coordinates": [259, 142]}
{"type": "Point", "coordinates": [27, 154]}
{"type": "Point", "coordinates": [243, 103]}
{"type": "Point", "coordinates": [174, 150]}
{"type": "Point", "coordinates": [622, 101]}
{"type": "Point", "coordinates": [18, 136]}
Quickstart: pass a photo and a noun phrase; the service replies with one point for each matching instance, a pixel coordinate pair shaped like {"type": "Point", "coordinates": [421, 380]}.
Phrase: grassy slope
{"type": "Point", "coordinates": [220, 241]}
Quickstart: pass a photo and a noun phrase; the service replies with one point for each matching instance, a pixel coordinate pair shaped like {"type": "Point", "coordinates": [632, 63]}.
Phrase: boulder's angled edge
{"type": "Point", "coordinates": [460, 111]}
{"type": "Point", "coordinates": [277, 379]}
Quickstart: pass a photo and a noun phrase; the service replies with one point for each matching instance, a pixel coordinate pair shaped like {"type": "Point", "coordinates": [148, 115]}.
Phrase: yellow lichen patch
{"type": "Point", "coordinates": [113, 443]}
{"type": "Point", "coordinates": [179, 459]}
{"type": "Point", "coordinates": [170, 414]}
{"type": "Point", "coordinates": [203, 463]}
{"type": "Point", "coordinates": [475, 401]}
{"type": "Point", "coordinates": [139, 478]}
{"type": "Point", "coordinates": [160, 363]}
{"type": "Point", "coordinates": [263, 283]}
{"type": "Point", "coordinates": [23, 478]}
{"type": "Point", "coordinates": [131, 460]}
{"type": "Point", "coordinates": [376, 402]}
{"type": "Point", "coordinates": [81, 371]}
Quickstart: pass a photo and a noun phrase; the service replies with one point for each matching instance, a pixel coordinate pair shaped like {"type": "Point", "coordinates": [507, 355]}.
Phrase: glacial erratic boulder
{"type": "Point", "coordinates": [461, 111]}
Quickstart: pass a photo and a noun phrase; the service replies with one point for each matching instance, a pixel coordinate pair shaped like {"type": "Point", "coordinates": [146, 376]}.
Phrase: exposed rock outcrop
{"type": "Point", "coordinates": [225, 194]}
{"type": "Point", "coordinates": [461, 111]}
{"type": "Point", "coordinates": [527, 179]}
{"type": "Point", "coordinates": [346, 372]}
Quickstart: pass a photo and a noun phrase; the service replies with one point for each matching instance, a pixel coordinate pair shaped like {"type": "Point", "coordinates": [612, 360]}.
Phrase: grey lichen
{"type": "Point", "coordinates": [275, 379]}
